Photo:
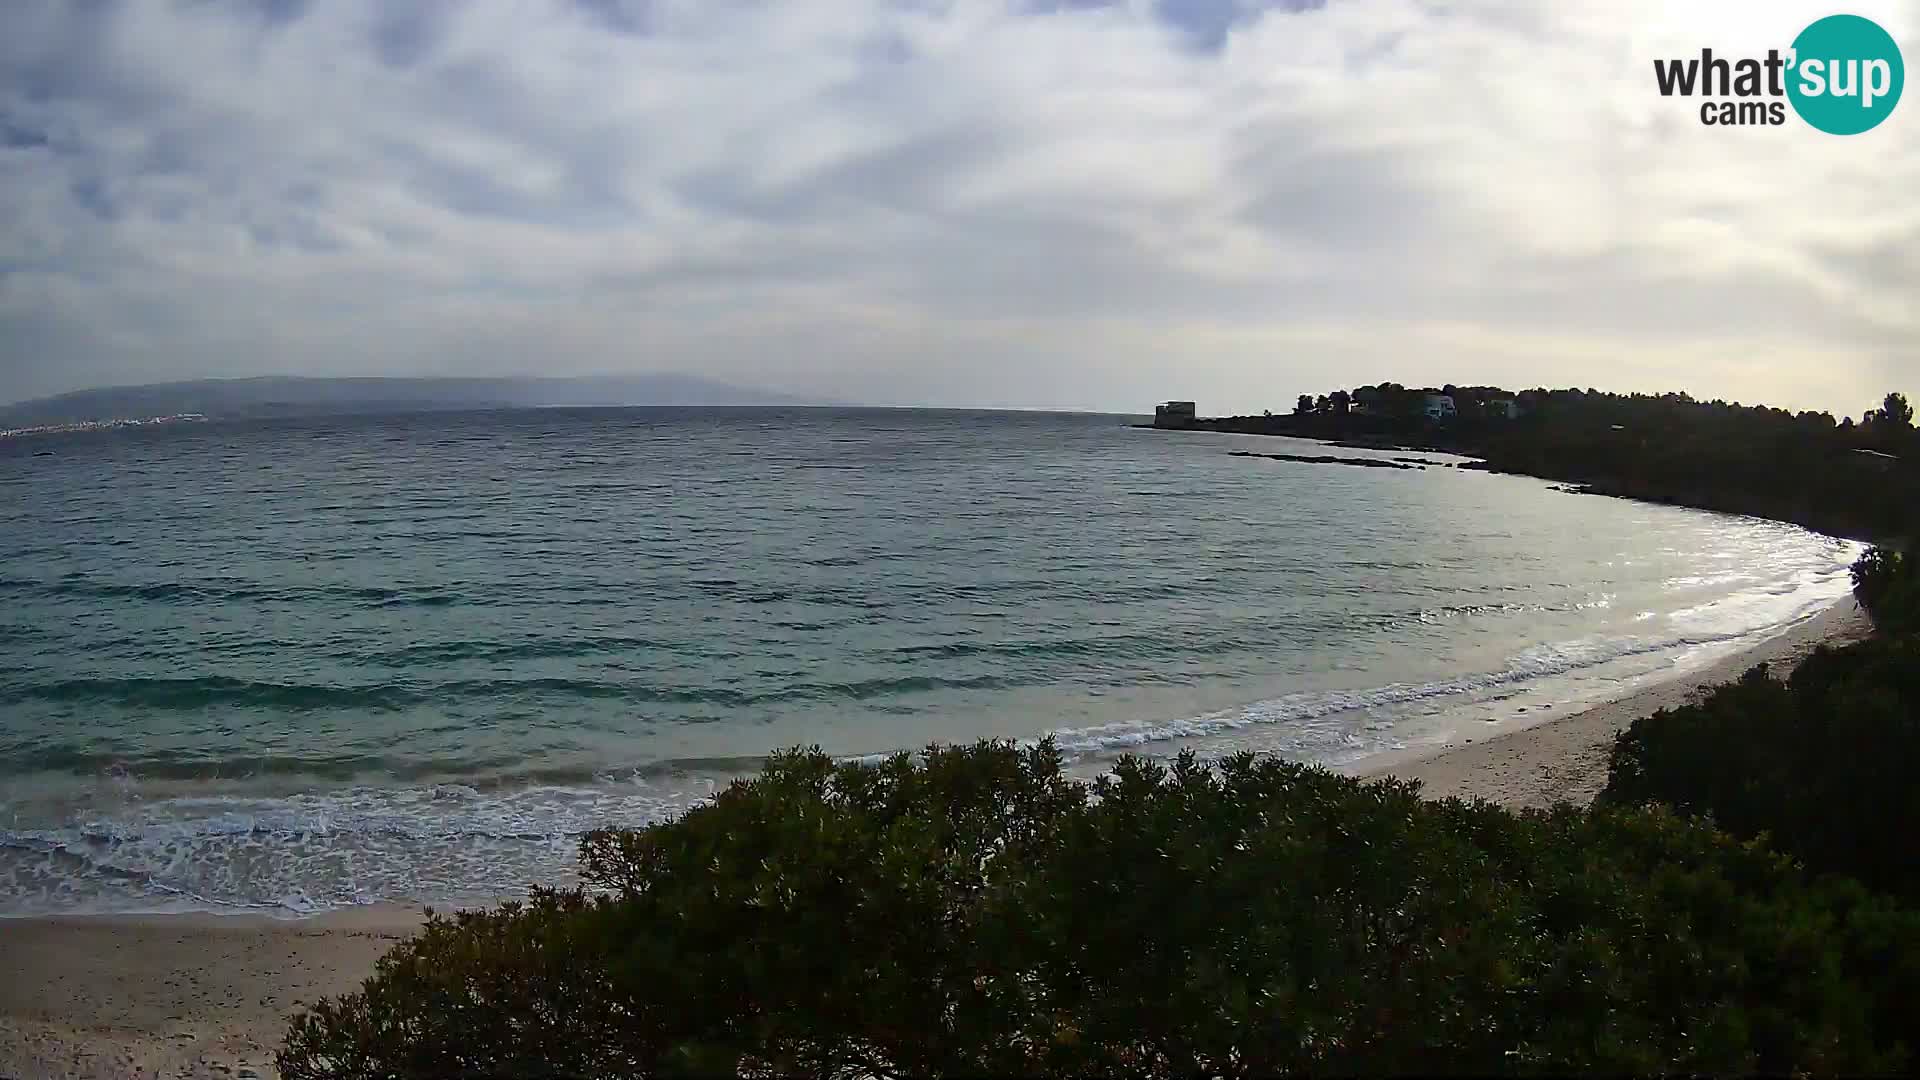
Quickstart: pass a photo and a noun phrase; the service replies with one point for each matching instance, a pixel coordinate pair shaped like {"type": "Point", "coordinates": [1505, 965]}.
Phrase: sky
{"type": "Point", "coordinates": [1035, 203]}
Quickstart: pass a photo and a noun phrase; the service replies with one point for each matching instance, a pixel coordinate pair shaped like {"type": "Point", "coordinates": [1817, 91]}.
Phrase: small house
{"type": "Point", "coordinates": [1173, 414]}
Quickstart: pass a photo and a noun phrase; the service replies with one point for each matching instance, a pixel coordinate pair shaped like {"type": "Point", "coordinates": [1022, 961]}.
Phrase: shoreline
{"type": "Point", "coordinates": [1476, 460]}
{"type": "Point", "coordinates": [1565, 757]}
{"type": "Point", "coordinates": [192, 995]}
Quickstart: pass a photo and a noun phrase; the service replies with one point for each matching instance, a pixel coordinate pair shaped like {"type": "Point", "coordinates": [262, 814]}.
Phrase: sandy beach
{"type": "Point", "coordinates": [189, 996]}
{"type": "Point", "coordinates": [1566, 758]}
{"type": "Point", "coordinates": [173, 996]}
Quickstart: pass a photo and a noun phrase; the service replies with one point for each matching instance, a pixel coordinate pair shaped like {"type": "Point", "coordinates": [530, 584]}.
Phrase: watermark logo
{"type": "Point", "coordinates": [1843, 75]}
{"type": "Point", "coordinates": [1850, 75]}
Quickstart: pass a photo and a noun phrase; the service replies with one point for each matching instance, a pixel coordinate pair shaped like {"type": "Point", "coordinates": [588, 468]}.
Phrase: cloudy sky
{"type": "Point", "coordinates": [1049, 203]}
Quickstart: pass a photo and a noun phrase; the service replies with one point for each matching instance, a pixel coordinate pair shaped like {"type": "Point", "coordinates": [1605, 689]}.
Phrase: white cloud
{"type": "Point", "coordinates": [946, 202]}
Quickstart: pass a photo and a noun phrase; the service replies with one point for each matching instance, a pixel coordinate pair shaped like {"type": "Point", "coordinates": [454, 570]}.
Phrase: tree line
{"type": "Point", "coordinates": [1855, 478]}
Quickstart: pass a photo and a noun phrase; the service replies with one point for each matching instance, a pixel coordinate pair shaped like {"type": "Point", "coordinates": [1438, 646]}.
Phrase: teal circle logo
{"type": "Point", "coordinates": [1847, 75]}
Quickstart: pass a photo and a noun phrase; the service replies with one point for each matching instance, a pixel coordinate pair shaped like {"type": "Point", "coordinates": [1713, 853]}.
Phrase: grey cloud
{"type": "Point", "coordinates": [1089, 202]}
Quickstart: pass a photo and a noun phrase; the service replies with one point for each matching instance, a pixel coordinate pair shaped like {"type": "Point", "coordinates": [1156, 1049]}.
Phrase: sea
{"type": "Point", "coordinates": [293, 665]}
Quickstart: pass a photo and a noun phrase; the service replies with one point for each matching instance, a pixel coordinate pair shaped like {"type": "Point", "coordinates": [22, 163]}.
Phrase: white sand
{"type": "Point", "coordinates": [173, 996]}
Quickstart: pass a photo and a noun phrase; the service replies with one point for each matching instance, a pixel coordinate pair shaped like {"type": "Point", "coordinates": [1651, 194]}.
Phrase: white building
{"type": "Point", "coordinates": [1438, 406]}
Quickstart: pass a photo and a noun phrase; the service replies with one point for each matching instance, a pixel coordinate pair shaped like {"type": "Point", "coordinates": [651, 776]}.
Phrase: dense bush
{"type": "Point", "coordinates": [977, 912]}
{"type": "Point", "coordinates": [1820, 767]}
{"type": "Point", "coordinates": [1823, 764]}
{"type": "Point", "coordinates": [1887, 581]}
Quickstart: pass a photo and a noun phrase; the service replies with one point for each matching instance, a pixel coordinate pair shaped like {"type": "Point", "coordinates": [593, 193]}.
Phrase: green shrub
{"type": "Point", "coordinates": [977, 912]}
{"type": "Point", "coordinates": [1823, 765]}
{"type": "Point", "coordinates": [1887, 582]}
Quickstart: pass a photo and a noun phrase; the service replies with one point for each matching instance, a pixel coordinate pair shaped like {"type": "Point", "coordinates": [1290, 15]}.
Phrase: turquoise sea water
{"type": "Point", "coordinates": [295, 664]}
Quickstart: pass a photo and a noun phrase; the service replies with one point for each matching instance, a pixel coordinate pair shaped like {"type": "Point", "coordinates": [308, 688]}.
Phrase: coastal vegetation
{"type": "Point", "coordinates": [1855, 478]}
{"type": "Point", "coordinates": [1887, 581]}
{"type": "Point", "coordinates": [1820, 765]}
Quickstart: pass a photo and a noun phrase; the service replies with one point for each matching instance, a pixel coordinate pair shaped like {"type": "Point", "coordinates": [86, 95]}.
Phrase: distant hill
{"type": "Point", "coordinates": [293, 396]}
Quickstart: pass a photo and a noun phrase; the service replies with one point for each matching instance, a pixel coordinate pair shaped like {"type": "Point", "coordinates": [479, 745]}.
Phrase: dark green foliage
{"type": "Point", "coordinates": [1849, 479]}
{"type": "Point", "coordinates": [1887, 582]}
{"type": "Point", "coordinates": [1823, 764]}
{"type": "Point", "coordinates": [1821, 767]}
{"type": "Point", "coordinates": [1894, 412]}
{"type": "Point", "coordinates": [520, 991]}
{"type": "Point", "coordinates": [977, 912]}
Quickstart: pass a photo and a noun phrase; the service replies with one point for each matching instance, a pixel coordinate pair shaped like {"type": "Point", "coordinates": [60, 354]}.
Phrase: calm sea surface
{"type": "Point", "coordinates": [293, 665]}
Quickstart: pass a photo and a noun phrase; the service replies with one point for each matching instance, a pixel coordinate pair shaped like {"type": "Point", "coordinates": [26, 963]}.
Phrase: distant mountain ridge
{"type": "Point", "coordinates": [276, 395]}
